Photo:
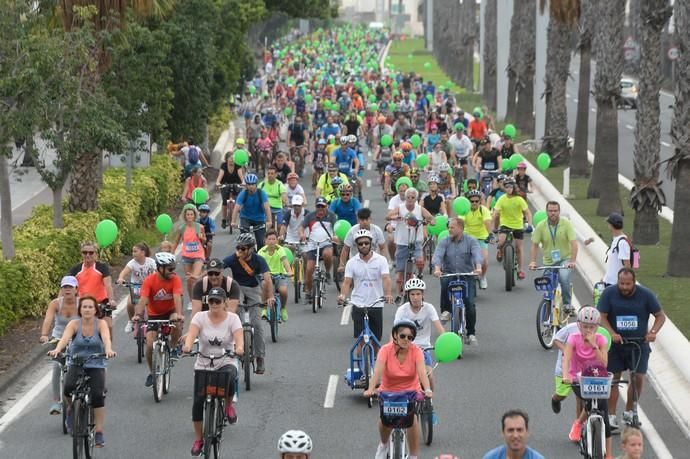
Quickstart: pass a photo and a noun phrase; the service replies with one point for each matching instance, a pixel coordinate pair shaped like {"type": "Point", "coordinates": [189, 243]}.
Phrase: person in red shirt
{"type": "Point", "coordinates": [478, 129]}
{"type": "Point", "coordinates": [161, 295]}
{"type": "Point", "coordinates": [95, 280]}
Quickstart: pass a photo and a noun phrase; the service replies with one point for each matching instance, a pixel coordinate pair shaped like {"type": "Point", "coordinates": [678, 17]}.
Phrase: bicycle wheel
{"type": "Point", "coordinates": [366, 358]}
{"type": "Point", "coordinates": [545, 328]}
{"type": "Point", "coordinates": [157, 368]}
{"type": "Point", "coordinates": [297, 280]}
{"type": "Point", "coordinates": [62, 401]}
{"type": "Point", "coordinates": [397, 444]}
{"type": "Point", "coordinates": [426, 420]}
{"type": "Point", "coordinates": [247, 359]}
{"type": "Point", "coordinates": [79, 426]}
{"type": "Point", "coordinates": [90, 438]}
{"type": "Point", "coordinates": [209, 426]}
{"type": "Point", "coordinates": [140, 342]}
{"type": "Point", "coordinates": [316, 299]}
{"type": "Point", "coordinates": [220, 423]}
{"type": "Point", "coordinates": [167, 370]}
{"type": "Point", "coordinates": [597, 440]}
{"type": "Point", "coordinates": [273, 319]}
{"type": "Point", "coordinates": [430, 254]}
{"type": "Point", "coordinates": [508, 265]}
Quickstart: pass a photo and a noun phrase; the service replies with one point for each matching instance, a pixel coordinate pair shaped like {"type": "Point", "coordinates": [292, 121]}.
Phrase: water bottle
{"type": "Point", "coordinates": [434, 418]}
{"type": "Point", "coordinates": [596, 291]}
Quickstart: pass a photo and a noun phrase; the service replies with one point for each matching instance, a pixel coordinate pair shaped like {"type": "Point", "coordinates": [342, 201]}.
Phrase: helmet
{"type": "Point", "coordinates": [407, 324]}
{"type": "Point", "coordinates": [522, 165]}
{"type": "Point", "coordinates": [414, 171]}
{"type": "Point", "coordinates": [501, 177]}
{"type": "Point", "coordinates": [322, 141]}
{"type": "Point", "coordinates": [251, 179]}
{"type": "Point", "coordinates": [474, 194]}
{"type": "Point", "coordinates": [337, 180]}
{"type": "Point", "coordinates": [297, 200]}
{"type": "Point", "coordinates": [345, 187]}
{"type": "Point", "coordinates": [444, 167]}
{"type": "Point", "coordinates": [165, 259]}
{"type": "Point", "coordinates": [239, 141]}
{"type": "Point", "coordinates": [484, 141]}
{"type": "Point", "coordinates": [397, 155]}
{"type": "Point", "coordinates": [245, 240]}
{"type": "Point", "coordinates": [433, 179]}
{"type": "Point", "coordinates": [363, 233]}
{"type": "Point", "coordinates": [509, 181]}
{"type": "Point", "coordinates": [331, 137]}
{"type": "Point", "coordinates": [406, 146]}
{"type": "Point", "coordinates": [295, 441]}
{"type": "Point", "coordinates": [588, 315]}
{"type": "Point", "coordinates": [352, 138]}
{"type": "Point", "coordinates": [381, 119]}
{"type": "Point", "coordinates": [204, 208]}
{"type": "Point", "coordinates": [293, 175]}
{"type": "Point", "coordinates": [343, 139]}
{"type": "Point", "coordinates": [415, 284]}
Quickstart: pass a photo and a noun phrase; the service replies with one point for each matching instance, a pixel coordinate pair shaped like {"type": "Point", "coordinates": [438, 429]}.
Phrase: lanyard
{"type": "Point", "coordinates": [553, 233]}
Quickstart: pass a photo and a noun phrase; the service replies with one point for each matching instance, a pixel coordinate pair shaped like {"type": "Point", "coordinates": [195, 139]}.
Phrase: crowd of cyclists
{"type": "Point", "coordinates": [314, 118]}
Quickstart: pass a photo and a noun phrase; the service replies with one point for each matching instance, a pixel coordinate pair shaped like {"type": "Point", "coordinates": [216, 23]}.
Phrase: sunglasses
{"type": "Point", "coordinates": [242, 249]}
{"type": "Point", "coordinates": [414, 176]}
{"type": "Point", "coordinates": [214, 301]}
{"type": "Point", "coordinates": [404, 336]}
{"type": "Point", "coordinates": [363, 244]}
{"type": "Point", "coordinates": [345, 194]}
{"type": "Point", "coordinates": [213, 273]}
{"type": "Point", "coordinates": [87, 252]}
{"type": "Point", "coordinates": [169, 269]}
{"type": "Point", "coordinates": [474, 201]}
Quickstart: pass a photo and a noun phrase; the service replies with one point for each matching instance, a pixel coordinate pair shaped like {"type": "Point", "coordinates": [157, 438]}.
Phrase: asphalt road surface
{"type": "Point", "coordinates": [508, 369]}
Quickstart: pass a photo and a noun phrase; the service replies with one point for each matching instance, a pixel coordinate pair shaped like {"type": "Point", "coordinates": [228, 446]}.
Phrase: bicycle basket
{"type": "Point", "coordinates": [542, 284]}
{"type": "Point", "coordinates": [397, 409]}
{"type": "Point", "coordinates": [595, 387]}
{"type": "Point", "coordinates": [213, 383]}
{"type": "Point", "coordinates": [456, 287]}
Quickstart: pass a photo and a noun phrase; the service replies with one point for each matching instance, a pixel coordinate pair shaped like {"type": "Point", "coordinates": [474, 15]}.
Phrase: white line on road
{"type": "Point", "coordinates": [594, 110]}
{"type": "Point", "coordinates": [366, 201]}
{"type": "Point", "coordinates": [330, 391]}
{"type": "Point", "coordinates": [345, 317]}
{"type": "Point", "coordinates": [575, 100]}
{"type": "Point", "coordinates": [567, 96]}
{"type": "Point", "coordinates": [629, 126]}
{"type": "Point", "coordinates": [368, 166]}
{"type": "Point", "coordinates": [666, 144]}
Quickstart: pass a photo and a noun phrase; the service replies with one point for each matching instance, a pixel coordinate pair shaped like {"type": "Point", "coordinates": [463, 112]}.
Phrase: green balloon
{"type": "Point", "coordinates": [461, 205]}
{"type": "Point", "coordinates": [252, 90]}
{"type": "Point", "coordinates": [538, 217]}
{"type": "Point", "coordinates": [416, 140]}
{"type": "Point", "coordinates": [372, 98]}
{"type": "Point", "coordinates": [240, 157]}
{"type": "Point", "coordinates": [199, 195]}
{"type": "Point", "coordinates": [427, 65]}
{"type": "Point", "coordinates": [509, 130]}
{"type": "Point", "coordinates": [543, 161]}
{"type": "Point", "coordinates": [443, 234]}
{"type": "Point", "coordinates": [401, 181]}
{"type": "Point", "coordinates": [410, 56]}
{"type": "Point", "coordinates": [430, 98]}
{"type": "Point", "coordinates": [387, 140]}
{"type": "Point", "coordinates": [422, 160]}
{"type": "Point", "coordinates": [308, 98]}
{"type": "Point", "coordinates": [448, 347]}
{"type": "Point", "coordinates": [440, 226]}
{"type": "Point", "coordinates": [288, 111]}
{"type": "Point", "coordinates": [164, 223]}
{"type": "Point", "coordinates": [288, 254]}
{"type": "Point", "coordinates": [106, 233]}
{"type": "Point", "coordinates": [516, 159]}
{"type": "Point", "coordinates": [326, 104]}
{"type": "Point", "coordinates": [374, 107]}
{"type": "Point", "coordinates": [606, 334]}
{"type": "Point", "coordinates": [395, 85]}
{"type": "Point", "coordinates": [341, 228]}
{"type": "Point", "coordinates": [362, 113]}
{"type": "Point", "coordinates": [413, 97]}
{"type": "Point", "coordinates": [507, 164]}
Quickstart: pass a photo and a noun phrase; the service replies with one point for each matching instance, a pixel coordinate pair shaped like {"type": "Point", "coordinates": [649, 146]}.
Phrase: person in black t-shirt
{"type": "Point", "coordinates": [433, 201]}
{"type": "Point", "coordinates": [352, 124]}
{"type": "Point", "coordinates": [214, 278]}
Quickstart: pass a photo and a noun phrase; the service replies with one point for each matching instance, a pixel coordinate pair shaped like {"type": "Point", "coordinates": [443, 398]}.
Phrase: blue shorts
{"type": "Point", "coordinates": [191, 261]}
{"type": "Point", "coordinates": [621, 358]}
{"type": "Point", "coordinates": [428, 360]}
{"type": "Point", "coordinates": [401, 254]}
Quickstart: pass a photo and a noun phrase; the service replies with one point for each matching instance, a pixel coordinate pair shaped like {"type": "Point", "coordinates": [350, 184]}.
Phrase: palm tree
{"type": "Point", "coordinates": [489, 57]}
{"type": "Point", "coordinates": [514, 60]}
{"type": "Point", "coordinates": [579, 166]}
{"type": "Point", "coordinates": [467, 37]}
{"type": "Point", "coordinates": [604, 183]}
{"type": "Point", "coordinates": [524, 84]}
{"type": "Point", "coordinates": [443, 38]}
{"type": "Point", "coordinates": [678, 166]}
{"type": "Point", "coordinates": [647, 198]}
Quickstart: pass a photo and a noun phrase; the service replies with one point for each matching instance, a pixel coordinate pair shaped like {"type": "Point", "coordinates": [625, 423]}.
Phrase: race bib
{"type": "Point", "coordinates": [394, 408]}
{"type": "Point", "coordinates": [489, 166]}
{"type": "Point", "coordinates": [192, 247]}
{"type": "Point", "coordinates": [556, 256]}
{"type": "Point", "coordinates": [626, 323]}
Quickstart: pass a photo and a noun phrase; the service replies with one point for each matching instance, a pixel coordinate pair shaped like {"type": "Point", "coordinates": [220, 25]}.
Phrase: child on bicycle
{"type": "Point", "coordinates": [279, 265]}
{"type": "Point", "coordinates": [562, 390]}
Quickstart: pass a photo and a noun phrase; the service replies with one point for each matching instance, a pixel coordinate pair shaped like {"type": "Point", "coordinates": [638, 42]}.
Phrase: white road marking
{"type": "Point", "coordinates": [329, 401]}
{"type": "Point", "coordinates": [567, 96]}
{"type": "Point", "coordinates": [368, 183]}
{"type": "Point", "coordinates": [594, 110]}
{"type": "Point", "coordinates": [629, 126]}
{"type": "Point", "coordinates": [666, 144]}
{"type": "Point", "coordinates": [345, 317]}
{"type": "Point", "coordinates": [366, 201]}
{"type": "Point", "coordinates": [575, 100]}
{"type": "Point", "coordinates": [368, 166]}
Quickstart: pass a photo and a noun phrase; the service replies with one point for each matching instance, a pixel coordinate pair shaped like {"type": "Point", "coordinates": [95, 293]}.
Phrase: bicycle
{"type": "Point", "coordinates": [362, 366]}
{"type": "Point", "coordinates": [457, 293]}
{"type": "Point", "coordinates": [510, 266]}
{"type": "Point", "coordinates": [318, 289]}
{"type": "Point", "coordinates": [139, 332]}
{"type": "Point", "coordinates": [248, 333]}
{"type": "Point", "coordinates": [161, 364]}
{"type": "Point", "coordinates": [298, 270]}
{"type": "Point", "coordinates": [235, 189]}
{"type": "Point", "coordinates": [634, 342]}
{"type": "Point", "coordinates": [273, 312]}
{"type": "Point", "coordinates": [398, 412]}
{"type": "Point", "coordinates": [551, 315]}
{"type": "Point", "coordinates": [411, 249]}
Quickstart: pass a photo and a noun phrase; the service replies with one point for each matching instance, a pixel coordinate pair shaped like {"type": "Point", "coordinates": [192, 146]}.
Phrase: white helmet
{"type": "Point", "coordinates": [343, 139]}
{"type": "Point", "coordinates": [165, 259]}
{"type": "Point", "coordinates": [352, 138]}
{"type": "Point", "coordinates": [415, 284]}
{"type": "Point", "coordinates": [362, 233]}
{"type": "Point", "coordinates": [444, 167]}
{"type": "Point", "coordinates": [295, 441]}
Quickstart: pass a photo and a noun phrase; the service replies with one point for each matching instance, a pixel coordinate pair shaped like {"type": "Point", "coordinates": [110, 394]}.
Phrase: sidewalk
{"type": "Point", "coordinates": [27, 190]}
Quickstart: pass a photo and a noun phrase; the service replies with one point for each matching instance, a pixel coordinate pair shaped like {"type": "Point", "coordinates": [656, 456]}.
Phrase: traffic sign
{"type": "Point", "coordinates": [673, 53]}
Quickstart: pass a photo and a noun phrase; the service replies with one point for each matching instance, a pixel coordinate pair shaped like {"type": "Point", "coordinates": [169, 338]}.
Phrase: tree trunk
{"type": "Point", "coordinates": [557, 68]}
{"type": "Point", "coordinates": [86, 179]}
{"type": "Point", "coordinates": [6, 214]}
{"type": "Point", "coordinates": [514, 61]}
{"type": "Point", "coordinates": [647, 198]}
{"type": "Point", "coordinates": [469, 37]}
{"type": "Point", "coordinates": [579, 166]}
{"type": "Point", "coordinates": [28, 159]}
{"type": "Point", "coordinates": [489, 56]}
{"type": "Point", "coordinates": [524, 85]}
{"type": "Point", "coordinates": [679, 164]}
{"type": "Point", "coordinates": [604, 183]}
{"type": "Point", "coordinates": [57, 208]}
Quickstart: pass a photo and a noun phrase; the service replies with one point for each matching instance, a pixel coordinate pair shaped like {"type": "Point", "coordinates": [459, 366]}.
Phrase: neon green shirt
{"type": "Point", "coordinates": [275, 261]}
{"type": "Point", "coordinates": [474, 223]}
{"type": "Point", "coordinates": [274, 193]}
{"type": "Point", "coordinates": [511, 209]}
{"type": "Point", "coordinates": [554, 238]}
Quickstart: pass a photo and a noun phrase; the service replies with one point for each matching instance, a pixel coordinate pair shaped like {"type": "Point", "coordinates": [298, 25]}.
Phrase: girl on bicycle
{"type": "Point", "coordinates": [218, 329]}
{"type": "Point", "coordinates": [229, 180]}
{"type": "Point", "coordinates": [400, 368]}
{"type": "Point", "coordinates": [89, 336]}
{"type": "Point", "coordinates": [192, 237]}
{"type": "Point", "coordinates": [140, 266]}
{"type": "Point", "coordinates": [194, 181]}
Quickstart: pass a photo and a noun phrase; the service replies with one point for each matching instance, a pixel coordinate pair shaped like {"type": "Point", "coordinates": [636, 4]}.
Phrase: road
{"type": "Point", "coordinates": [508, 369]}
{"type": "Point", "coordinates": [626, 128]}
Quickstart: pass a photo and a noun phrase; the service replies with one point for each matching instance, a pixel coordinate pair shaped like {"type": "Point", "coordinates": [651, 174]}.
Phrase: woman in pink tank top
{"type": "Point", "coordinates": [192, 237]}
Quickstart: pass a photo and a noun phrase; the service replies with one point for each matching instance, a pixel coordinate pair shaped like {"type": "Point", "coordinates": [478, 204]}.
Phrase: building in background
{"type": "Point", "coordinates": [401, 15]}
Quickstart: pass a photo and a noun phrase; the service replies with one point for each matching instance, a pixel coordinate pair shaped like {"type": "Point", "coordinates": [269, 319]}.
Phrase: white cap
{"type": "Point", "coordinates": [297, 200]}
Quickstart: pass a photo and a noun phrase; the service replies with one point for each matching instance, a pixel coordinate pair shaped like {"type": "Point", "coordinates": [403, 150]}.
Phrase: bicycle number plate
{"type": "Point", "coordinates": [245, 317]}
{"type": "Point", "coordinates": [542, 284]}
{"type": "Point", "coordinates": [594, 387]}
{"type": "Point", "coordinates": [391, 408]}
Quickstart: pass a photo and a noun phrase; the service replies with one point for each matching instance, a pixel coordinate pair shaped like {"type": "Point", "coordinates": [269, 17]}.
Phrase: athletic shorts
{"type": "Point", "coordinates": [311, 254]}
{"type": "Point", "coordinates": [401, 254]}
{"type": "Point", "coordinates": [517, 233]}
{"type": "Point", "coordinates": [621, 358]}
{"type": "Point", "coordinates": [375, 321]}
{"type": "Point", "coordinates": [428, 360]}
{"type": "Point", "coordinates": [191, 261]}
{"type": "Point", "coordinates": [280, 282]}
{"type": "Point", "coordinates": [562, 389]}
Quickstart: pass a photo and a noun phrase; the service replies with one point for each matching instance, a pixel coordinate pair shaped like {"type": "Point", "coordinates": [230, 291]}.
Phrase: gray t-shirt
{"type": "Point", "coordinates": [378, 238]}
{"type": "Point", "coordinates": [219, 334]}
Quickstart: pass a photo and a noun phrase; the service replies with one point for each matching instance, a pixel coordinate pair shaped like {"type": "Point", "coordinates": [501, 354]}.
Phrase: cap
{"type": "Point", "coordinates": [217, 293]}
{"type": "Point", "coordinates": [215, 265]}
{"type": "Point", "coordinates": [298, 200]}
{"type": "Point", "coordinates": [615, 219]}
{"type": "Point", "coordinates": [321, 201]}
{"type": "Point", "coordinates": [69, 281]}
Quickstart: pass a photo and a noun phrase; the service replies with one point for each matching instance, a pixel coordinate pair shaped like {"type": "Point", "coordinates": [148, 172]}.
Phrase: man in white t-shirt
{"type": "Point", "coordinates": [393, 203]}
{"type": "Point", "coordinates": [463, 147]}
{"type": "Point", "coordinates": [368, 276]}
{"type": "Point", "coordinates": [363, 222]}
{"type": "Point", "coordinates": [618, 253]}
{"type": "Point", "coordinates": [317, 230]}
{"type": "Point", "coordinates": [289, 227]}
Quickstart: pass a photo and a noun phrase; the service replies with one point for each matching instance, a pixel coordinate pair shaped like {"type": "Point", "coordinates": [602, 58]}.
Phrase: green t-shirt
{"type": "Point", "coordinates": [554, 238]}
{"type": "Point", "coordinates": [274, 193]}
{"type": "Point", "coordinates": [275, 261]}
{"type": "Point", "coordinates": [511, 209]}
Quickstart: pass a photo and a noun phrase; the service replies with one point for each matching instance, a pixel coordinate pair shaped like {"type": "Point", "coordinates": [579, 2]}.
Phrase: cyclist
{"type": "Point", "coordinates": [458, 253]}
{"type": "Point", "coordinates": [559, 247]}
{"type": "Point", "coordinates": [328, 183]}
{"type": "Point", "coordinates": [417, 183]}
{"type": "Point", "coordinates": [195, 180]}
{"type": "Point", "coordinates": [317, 229]}
{"type": "Point", "coordinates": [424, 316]}
{"type": "Point", "coordinates": [346, 206]}
{"type": "Point", "coordinates": [86, 336]}
{"type": "Point", "coordinates": [140, 266]}
{"type": "Point", "coordinates": [294, 189]}
{"type": "Point", "coordinates": [498, 191]}
{"type": "Point", "coordinates": [277, 260]}
{"type": "Point", "coordinates": [486, 160]}
{"type": "Point", "coordinates": [252, 273]}
{"type": "Point", "coordinates": [400, 368]}
{"type": "Point", "coordinates": [192, 238]}
{"type": "Point", "coordinates": [298, 137]}
{"type": "Point", "coordinates": [436, 157]}
{"type": "Point", "coordinates": [217, 330]}
{"type": "Point", "coordinates": [524, 181]}
{"type": "Point", "coordinates": [478, 129]}
{"type": "Point", "coordinates": [509, 213]}
{"type": "Point", "coordinates": [625, 309]}
{"type": "Point", "coordinates": [433, 201]}
{"type": "Point", "coordinates": [294, 444]}
{"type": "Point", "coordinates": [289, 227]}
{"type": "Point", "coordinates": [59, 313]}
{"type": "Point", "coordinates": [506, 147]}
{"type": "Point", "coordinates": [214, 278]}
{"type": "Point", "coordinates": [478, 225]}
{"type": "Point", "coordinates": [330, 128]}
{"type": "Point", "coordinates": [232, 176]}
{"type": "Point", "coordinates": [393, 172]}
{"type": "Point", "coordinates": [276, 192]}
{"type": "Point", "coordinates": [319, 160]}
{"type": "Point", "coordinates": [515, 430]}
{"type": "Point", "coordinates": [283, 166]}
{"type": "Point", "coordinates": [363, 222]}
{"type": "Point", "coordinates": [253, 208]}
{"type": "Point", "coordinates": [394, 203]}
{"type": "Point", "coordinates": [161, 298]}
{"type": "Point", "coordinates": [346, 159]}
{"type": "Point", "coordinates": [209, 226]}
{"type": "Point", "coordinates": [463, 148]}
{"type": "Point", "coordinates": [446, 185]}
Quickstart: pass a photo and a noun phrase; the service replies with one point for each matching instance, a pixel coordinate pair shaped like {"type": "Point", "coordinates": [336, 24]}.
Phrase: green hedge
{"type": "Point", "coordinates": [45, 254]}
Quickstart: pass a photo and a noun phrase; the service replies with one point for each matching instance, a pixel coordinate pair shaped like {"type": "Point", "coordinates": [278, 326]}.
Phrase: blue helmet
{"type": "Point", "coordinates": [337, 180]}
{"type": "Point", "coordinates": [251, 179]}
{"type": "Point", "coordinates": [204, 208]}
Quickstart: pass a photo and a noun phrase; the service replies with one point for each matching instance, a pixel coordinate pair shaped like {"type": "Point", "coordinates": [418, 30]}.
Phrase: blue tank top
{"type": "Point", "coordinates": [84, 346]}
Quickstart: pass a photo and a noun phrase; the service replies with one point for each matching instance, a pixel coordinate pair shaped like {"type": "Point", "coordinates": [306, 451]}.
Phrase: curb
{"type": "Point", "coordinates": [31, 358]}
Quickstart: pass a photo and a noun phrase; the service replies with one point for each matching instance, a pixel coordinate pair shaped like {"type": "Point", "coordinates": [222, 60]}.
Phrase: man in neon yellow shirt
{"type": "Point", "coordinates": [510, 212]}
{"type": "Point", "coordinates": [277, 259]}
{"type": "Point", "coordinates": [276, 192]}
{"type": "Point", "coordinates": [325, 187]}
{"type": "Point", "coordinates": [478, 225]}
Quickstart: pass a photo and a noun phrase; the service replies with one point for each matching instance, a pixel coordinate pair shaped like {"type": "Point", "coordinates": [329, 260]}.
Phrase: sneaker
{"type": "Point", "coordinates": [264, 314]}
{"type": "Point", "coordinates": [575, 431]}
{"type": "Point", "coordinates": [197, 448]}
{"type": "Point", "coordinates": [328, 277]}
{"type": "Point", "coordinates": [56, 408]}
{"type": "Point", "coordinates": [472, 340]}
{"type": "Point", "coordinates": [499, 256]}
{"type": "Point", "coordinates": [149, 381]}
{"type": "Point", "coordinates": [129, 328]}
{"type": "Point", "coordinates": [260, 368]}
{"type": "Point", "coordinates": [521, 275]}
{"type": "Point", "coordinates": [100, 440]}
{"type": "Point", "coordinates": [483, 284]}
{"type": "Point", "coordinates": [68, 422]}
{"type": "Point", "coordinates": [381, 451]}
{"type": "Point", "coordinates": [189, 306]}
{"type": "Point", "coordinates": [628, 417]}
{"type": "Point", "coordinates": [224, 224]}
{"type": "Point", "coordinates": [555, 405]}
{"type": "Point", "coordinates": [283, 315]}
{"type": "Point", "coordinates": [445, 316]}
{"type": "Point", "coordinates": [569, 309]}
{"type": "Point", "coordinates": [230, 413]}
{"type": "Point", "coordinates": [613, 422]}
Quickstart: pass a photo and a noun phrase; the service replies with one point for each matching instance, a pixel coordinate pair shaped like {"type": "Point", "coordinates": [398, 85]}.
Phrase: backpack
{"type": "Point", "coordinates": [634, 253]}
{"type": "Point", "coordinates": [193, 155]}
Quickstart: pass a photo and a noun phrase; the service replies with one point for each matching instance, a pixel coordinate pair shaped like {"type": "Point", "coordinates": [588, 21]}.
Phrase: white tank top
{"type": "Point", "coordinates": [404, 232]}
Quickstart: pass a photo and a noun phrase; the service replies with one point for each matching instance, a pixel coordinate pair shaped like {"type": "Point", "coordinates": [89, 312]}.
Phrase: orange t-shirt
{"type": "Point", "coordinates": [91, 279]}
{"type": "Point", "coordinates": [477, 129]}
{"type": "Point", "coordinates": [161, 293]}
{"type": "Point", "coordinates": [400, 377]}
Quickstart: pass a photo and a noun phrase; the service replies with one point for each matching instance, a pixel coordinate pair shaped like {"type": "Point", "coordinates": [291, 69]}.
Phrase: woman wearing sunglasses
{"type": "Point", "coordinates": [400, 368]}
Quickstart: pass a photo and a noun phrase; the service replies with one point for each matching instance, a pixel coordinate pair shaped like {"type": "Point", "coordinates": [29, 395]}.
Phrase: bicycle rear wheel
{"type": "Point", "coordinates": [247, 360]}
{"type": "Point", "coordinates": [273, 319]}
{"type": "Point", "coordinates": [167, 367]}
{"type": "Point", "coordinates": [209, 426]}
{"type": "Point", "coordinates": [157, 369]}
{"type": "Point", "coordinates": [545, 328]}
{"type": "Point", "coordinates": [79, 429]}
{"type": "Point", "coordinates": [316, 298]}
{"type": "Point", "coordinates": [426, 421]}
{"type": "Point", "coordinates": [63, 403]}
{"type": "Point", "coordinates": [508, 265]}
{"type": "Point", "coordinates": [140, 338]}
{"type": "Point", "coordinates": [297, 280]}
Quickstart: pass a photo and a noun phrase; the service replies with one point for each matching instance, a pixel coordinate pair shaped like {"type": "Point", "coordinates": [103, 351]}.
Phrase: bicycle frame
{"type": "Point", "coordinates": [368, 340]}
{"type": "Point", "coordinates": [457, 294]}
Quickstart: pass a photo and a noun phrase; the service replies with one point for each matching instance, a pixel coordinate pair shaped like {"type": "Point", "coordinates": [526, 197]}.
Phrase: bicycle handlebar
{"type": "Point", "coordinates": [544, 268]}
{"type": "Point", "coordinates": [226, 353]}
{"type": "Point", "coordinates": [79, 361]}
{"type": "Point", "coordinates": [347, 302]}
{"type": "Point", "coordinates": [470, 274]}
